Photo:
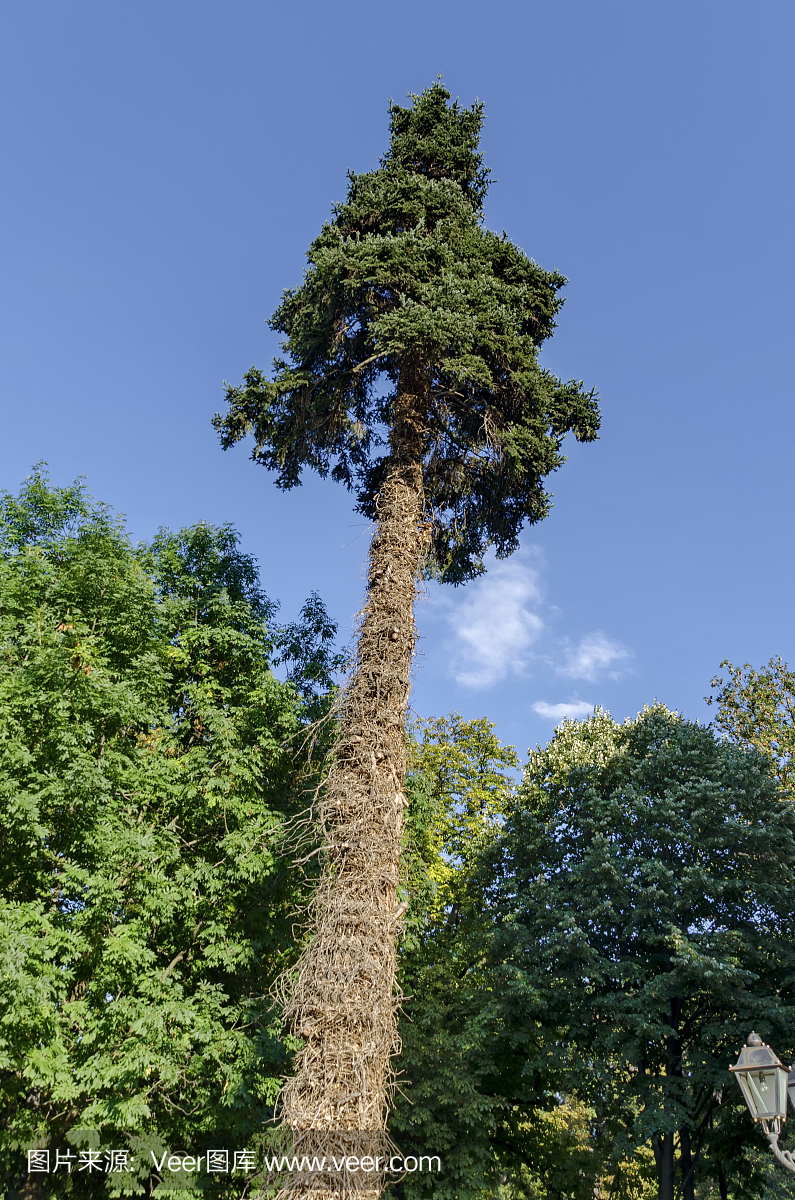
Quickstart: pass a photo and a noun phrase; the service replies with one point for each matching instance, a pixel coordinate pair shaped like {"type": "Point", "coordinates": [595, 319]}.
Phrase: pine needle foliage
{"type": "Point", "coordinates": [405, 272]}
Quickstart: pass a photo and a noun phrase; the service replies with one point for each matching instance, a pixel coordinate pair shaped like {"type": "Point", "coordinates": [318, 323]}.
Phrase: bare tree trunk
{"type": "Point", "coordinates": [663, 1145]}
{"type": "Point", "coordinates": [687, 1165]}
{"type": "Point", "coordinates": [32, 1188]}
{"type": "Point", "coordinates": [723, 1186]}
{"type": "Point", "coordinates": [343, 998]}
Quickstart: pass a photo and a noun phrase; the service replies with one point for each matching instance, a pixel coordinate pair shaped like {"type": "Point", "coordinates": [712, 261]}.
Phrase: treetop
{"type": "Point", "coordinates": [439, 140]}
{"type": "Point", "coordinates": [404, 284]}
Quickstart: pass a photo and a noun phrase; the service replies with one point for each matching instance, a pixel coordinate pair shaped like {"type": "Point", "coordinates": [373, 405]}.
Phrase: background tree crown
{"type": "Point", "coordinates": [649, 868]}
{"type": "Point", "coordinates": [149, 759]}
{"type": "Point", "coordinates": [404, 278]}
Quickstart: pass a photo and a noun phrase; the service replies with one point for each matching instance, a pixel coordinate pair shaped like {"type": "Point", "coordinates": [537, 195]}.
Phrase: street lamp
{"type": "Point", "coordinates": [765, 1083]}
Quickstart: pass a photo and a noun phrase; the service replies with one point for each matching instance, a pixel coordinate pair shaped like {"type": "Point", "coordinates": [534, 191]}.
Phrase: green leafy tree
{"type": "Point", "coordinates": [411, 376]}
{"type": "Point", "coordinates": [148, 762]}
{"type": "Point", "coordinates": [468, 1028]}
{"type": "Point", "coordinates": [645, 890]}
{"type": "Point", "coordinates": [460, 784]}
{"type": "Point", "coordinates": [757, 709]}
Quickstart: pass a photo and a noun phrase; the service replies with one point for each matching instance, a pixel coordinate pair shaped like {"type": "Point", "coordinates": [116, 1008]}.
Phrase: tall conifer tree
{"type": "Point", "coordinates": [411, 376]}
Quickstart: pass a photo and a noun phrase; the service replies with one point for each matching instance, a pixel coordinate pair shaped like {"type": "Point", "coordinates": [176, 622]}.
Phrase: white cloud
{"type": "Point", "coordinates": [496, 626]}
{"type": "Point", "coordinates": [575, 709]}
{"type": "Point", "coordinates": [501, 626]}
{"type": "Point", "coordinates": [594, 654]}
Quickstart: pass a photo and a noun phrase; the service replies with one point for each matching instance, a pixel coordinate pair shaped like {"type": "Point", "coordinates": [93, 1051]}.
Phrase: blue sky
{"type": "Point", "coordinates": [167, 164]}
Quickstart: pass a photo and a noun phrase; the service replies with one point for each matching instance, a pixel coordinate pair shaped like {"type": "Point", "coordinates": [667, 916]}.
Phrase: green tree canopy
{"type": "Point", "coordinates": [148, 762]}
{"type": "Point", "coordinates": [645, 892]}
{"type": "Point", "coordinates": [470, 1024]}
{"type": "Point", "coordinates": [460, 784]}
{"type": "Point", "coordinates": [405, 278]}
{"type": "Point", "coordinates": [757, 709]}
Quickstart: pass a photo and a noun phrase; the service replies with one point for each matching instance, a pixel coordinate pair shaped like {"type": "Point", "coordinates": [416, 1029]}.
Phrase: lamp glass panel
{"type": "Point", "coordinates": [781, 1091]}
{"type": "Point", "coordinates": [764, 1092]}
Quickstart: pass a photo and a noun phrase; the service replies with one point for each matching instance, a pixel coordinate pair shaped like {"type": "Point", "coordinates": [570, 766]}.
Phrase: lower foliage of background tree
{"type": "Point", "coordinates": [756, 709]}
{"type": "Point", "coordinates": [148, 762]}
{"type": "Point", "coordinates": [468, 1030]}
{"type": "Point", "coordinates": [459, 785]}
{"type": "Point", "coordinates": [645, 889]}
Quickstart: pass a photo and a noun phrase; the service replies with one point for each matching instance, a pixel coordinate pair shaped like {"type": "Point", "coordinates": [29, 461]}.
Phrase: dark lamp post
{"type": "Point", "coordinates": [765, 1083]}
